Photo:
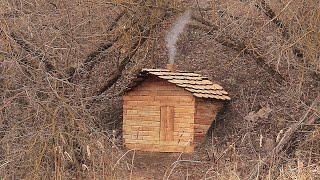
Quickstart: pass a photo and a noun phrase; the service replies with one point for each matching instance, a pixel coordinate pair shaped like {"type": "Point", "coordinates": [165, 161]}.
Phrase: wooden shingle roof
{"type": "Point", "coordinates": [197, 84]}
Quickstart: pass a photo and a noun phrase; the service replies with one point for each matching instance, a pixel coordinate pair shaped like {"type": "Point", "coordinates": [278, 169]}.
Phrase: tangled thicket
{"type": "Point", "coordinates": [64, 66]}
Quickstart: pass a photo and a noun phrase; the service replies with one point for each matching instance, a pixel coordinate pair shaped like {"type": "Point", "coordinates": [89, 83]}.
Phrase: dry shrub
{"type": "Point", "coordinates": [46, 130]}
{"type": "Point", "coordinates": [56, 57]}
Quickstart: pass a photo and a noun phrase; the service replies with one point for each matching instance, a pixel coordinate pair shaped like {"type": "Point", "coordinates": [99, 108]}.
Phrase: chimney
{"type": "Point", "coordinates": [172, 67]}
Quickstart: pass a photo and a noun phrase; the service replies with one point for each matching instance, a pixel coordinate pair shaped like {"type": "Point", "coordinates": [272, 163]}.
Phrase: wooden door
{"type": "Point", "coordinates": [166, 123]}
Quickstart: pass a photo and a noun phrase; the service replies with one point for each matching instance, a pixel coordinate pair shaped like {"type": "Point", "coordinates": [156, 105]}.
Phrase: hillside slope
{"type": "Point", "coordinates": [64, 66]}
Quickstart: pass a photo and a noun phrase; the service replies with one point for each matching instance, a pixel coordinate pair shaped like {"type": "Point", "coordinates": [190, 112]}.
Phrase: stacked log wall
{"type": "Point", "coordinates": [206, 112]}
{"type": "Point", "coordinates": [142, 117]}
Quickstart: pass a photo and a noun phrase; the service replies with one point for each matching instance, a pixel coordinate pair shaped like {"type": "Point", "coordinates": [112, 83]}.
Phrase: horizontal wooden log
{"type": "Point", "coordinates": [134, 133]}
{"type": "Point", "coordinates": [183, 125]}
{"type": "Point", "coordinates": [138, 136]}
{"type": "Point", "coordinates": [141, 103]}
{"type": "Point", "coordinates": [183, 120]}
{"type": "Point", "coordinates": [161, 148]}
{"type": "Point", "coordinates": [147, 138]}
{"type": "Point", "coordinates": [131, 112]}
{"type": "Point", "coordinates": [184, 140]}
{"type": "Point", "coordinates": [204, 121]}
{"type": "Point", "coordinates": [201, 126]}
{"type": "Point", "coordinates": [151, 118]}
{"type": "Point", "coordinates": [142, 107]}
{"type": "Point", "coordinates": [149, 113]}
{"type": "Point", "coordinates": [183, 130]}
{"type": "Point", "coordinates": [144, 123]}
{"type": "Point", "coordinates": [188, 115]}
{"type": "Point", "coordinates": [175, 98]}
{"type": "Point", "coordinates": [172, 93]}
{"type": "Point", "coordinates": [174, 103]}
{"type": "Point", "coordinates": [207, 109]}
{"type": "Point", "coordinates": [140, 92]}
{"type": "Point", "coordinates": [127, 136]}
{"type": "Point", "coordinates": [138, 98]}
{"type": "Point", "coordinates": [140, 118]}
{"type": "Point", "coordinates": [141, 143]}
{"type": "Point", "coordinates": [184, 109]}
{"type": "Point", "coordinates": [150, 128]}
{"type": "Point", "coordinates": [162, 98]}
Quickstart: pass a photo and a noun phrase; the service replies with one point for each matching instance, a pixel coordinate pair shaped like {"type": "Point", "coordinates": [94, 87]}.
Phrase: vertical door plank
{"type": "Point", "coordinates": [170, 123]}
{"type": "Point", "coordinates": [163, 123]}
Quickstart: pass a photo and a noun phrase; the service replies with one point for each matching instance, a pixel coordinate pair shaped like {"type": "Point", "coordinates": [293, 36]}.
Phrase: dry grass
{"type": "Point", "coordinates": [64, 64]}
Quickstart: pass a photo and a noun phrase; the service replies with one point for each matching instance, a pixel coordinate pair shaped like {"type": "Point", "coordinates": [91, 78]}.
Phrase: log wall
{"type": "Point", "coordinates": [206, 112]}
{"type": "Point", "coordinates": [159, 116]}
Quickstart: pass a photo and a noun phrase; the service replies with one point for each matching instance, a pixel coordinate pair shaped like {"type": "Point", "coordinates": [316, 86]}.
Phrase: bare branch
{"type": "Point", "coordinates": [35, 53]}
{"type": "Point", "coordinates": [116, 73]}
{"type": "Point", "coordinates": [241, 47]}
{"type": "Point", "coordinates": [270, 13]}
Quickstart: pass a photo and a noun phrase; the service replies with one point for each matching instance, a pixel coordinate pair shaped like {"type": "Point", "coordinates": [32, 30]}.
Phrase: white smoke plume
{"type": "Point", "coordinates": [173, 35]}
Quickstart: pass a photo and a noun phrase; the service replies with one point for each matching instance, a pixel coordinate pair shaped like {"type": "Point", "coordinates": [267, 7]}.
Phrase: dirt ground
{"type": "Point", "coordinates": [168, 166]}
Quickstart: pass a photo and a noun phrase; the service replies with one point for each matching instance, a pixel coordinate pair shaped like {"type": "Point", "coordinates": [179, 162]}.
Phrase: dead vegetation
{"type": "Point", "coordinates": [64, 65]}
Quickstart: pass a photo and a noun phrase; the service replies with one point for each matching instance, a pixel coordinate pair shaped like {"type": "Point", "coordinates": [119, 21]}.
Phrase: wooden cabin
{"type": "Point", "coordinates": [169, 111]}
